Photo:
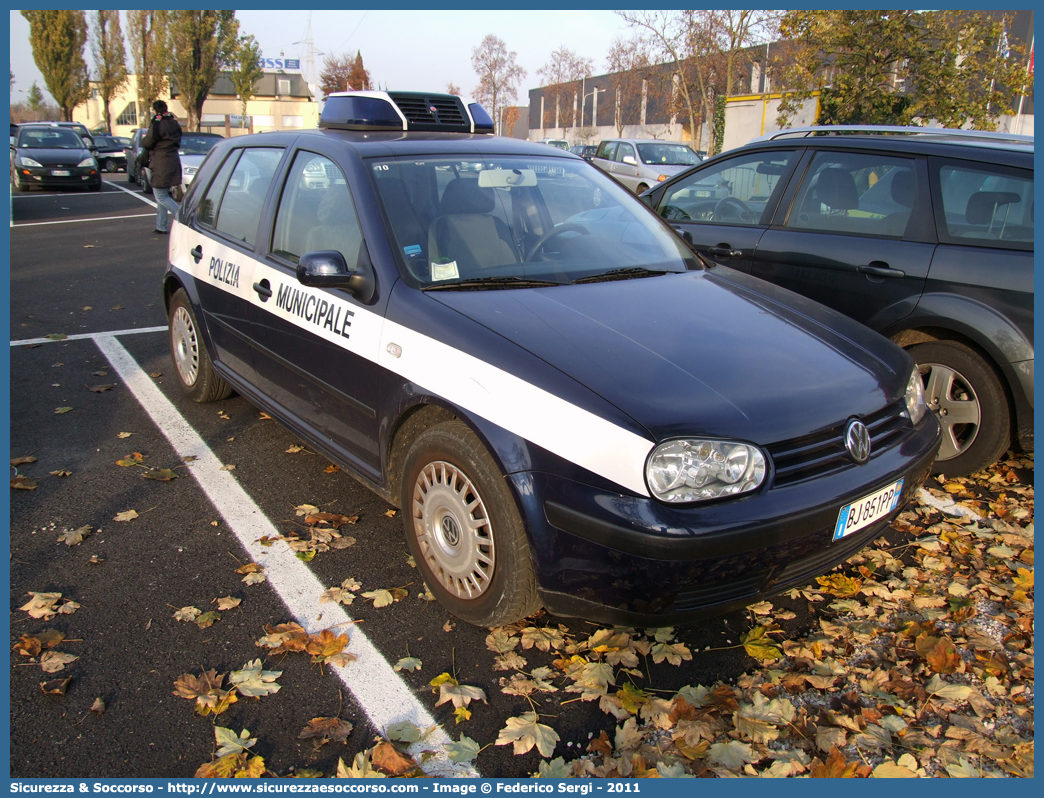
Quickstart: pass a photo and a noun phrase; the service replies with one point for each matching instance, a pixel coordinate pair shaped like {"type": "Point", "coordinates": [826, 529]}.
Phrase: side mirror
{"type": "Point", "coordinates": [630, 159]}
{"type": "Point", "coordinates": [326, 268]}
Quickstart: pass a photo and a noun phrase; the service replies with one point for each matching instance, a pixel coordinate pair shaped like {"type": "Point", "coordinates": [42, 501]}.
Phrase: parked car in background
{"type": "Point", "coordinates": [925, 235]}
{"type": "Point", "coordinates": [569, 407]}
{"type": "Point", "coordinates": [131, 152]}
{"type": "Point", "coordinates": [49, 155]}
{"type": "Point", "coordinates": [585, 151]}
{"type": "Point", "coordinates": [562, 144]}
{"type": "Point", "coordinates": [641, 163]}
{"type": "Point", "coordinates": [194, 148]}
{"type": "Point", "coordinates": [110, 155]}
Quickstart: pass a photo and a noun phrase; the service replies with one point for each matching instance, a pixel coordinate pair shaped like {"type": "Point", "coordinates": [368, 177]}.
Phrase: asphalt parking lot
{"type": "Point", "coordinates": [87, 266]}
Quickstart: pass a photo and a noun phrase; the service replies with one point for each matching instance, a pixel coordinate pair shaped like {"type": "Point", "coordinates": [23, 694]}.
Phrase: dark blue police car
{"type": "Point", "coordinates": [571, 408]}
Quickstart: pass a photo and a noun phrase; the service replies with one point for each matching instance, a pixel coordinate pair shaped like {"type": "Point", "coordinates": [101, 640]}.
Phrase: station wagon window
{"type": "Point", "coordinates": [862, 193]}
{"type": "Point", "coordinates": [316, 211]}
{"type": "Point", "coordinates": [986, 206]}
{"type": "Point", "coordinates": [740, 190]}
{"type": "Point", "coordinates": [233, 202]}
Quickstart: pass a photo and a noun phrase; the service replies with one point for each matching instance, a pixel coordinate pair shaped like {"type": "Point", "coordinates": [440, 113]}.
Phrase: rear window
{"type": "Point", "coordinates": [985, 205]}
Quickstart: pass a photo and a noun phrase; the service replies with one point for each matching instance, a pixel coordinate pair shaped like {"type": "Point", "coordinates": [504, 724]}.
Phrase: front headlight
{"type": "Point", "coordinates": [88, 161]}
{"type": "Point", "coordinates": [189, 170]}
{"type": "Point", "coordinates": [915, 404]}
{"type": "Point", "coordinates": [25, 161]}
{"type": "Point", "coordinates": [695, 470]}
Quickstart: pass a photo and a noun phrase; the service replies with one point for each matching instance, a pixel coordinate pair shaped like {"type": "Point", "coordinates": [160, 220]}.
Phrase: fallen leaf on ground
{"type": "Point", "coordinates": [126, 515]}
{"type": "Point", "coordinates": [525, 731]}
{"type": "Point", "coordinates": [17, 461]}
{"type": "Point", "coordinates": [23, 483]}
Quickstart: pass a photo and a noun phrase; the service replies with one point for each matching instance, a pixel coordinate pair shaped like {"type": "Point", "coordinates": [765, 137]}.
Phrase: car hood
{"type": "Point", "coordinates": [713, 353]}
{"type": "Point", "coordinates": [191, 160]}
{"type": "Point", "coordinates": [669, 169]}
{"type": "Point", "coordinates": [55, 157]}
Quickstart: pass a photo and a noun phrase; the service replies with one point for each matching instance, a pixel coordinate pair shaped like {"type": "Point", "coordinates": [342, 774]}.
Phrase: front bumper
{"type": "Point", "coordinates": [78, 176]}
{"type": "Point", "coordinates": [615, 558]}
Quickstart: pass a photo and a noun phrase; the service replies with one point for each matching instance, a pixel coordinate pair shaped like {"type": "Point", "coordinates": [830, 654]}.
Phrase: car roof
{"type": "Point", "coordinates": [965, 145]}
{"type": "Point", "coordinates": [374, 144]}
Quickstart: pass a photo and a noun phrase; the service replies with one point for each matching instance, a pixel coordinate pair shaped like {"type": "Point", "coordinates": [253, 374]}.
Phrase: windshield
{"type": "Point", "coordinates": [49, 138]}
{"type": "Point", "coordinates": [537, 219]}
{"type": "Point", "coordinates": [667, 154]}
{"type": "Point", "coordinates": [197, 145]}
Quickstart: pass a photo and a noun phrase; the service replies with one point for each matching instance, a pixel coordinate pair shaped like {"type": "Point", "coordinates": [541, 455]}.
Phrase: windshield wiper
{"type": "Point", "coordinates": [491, 282]}
{"type": "Point", "coordinates": [620, 274]}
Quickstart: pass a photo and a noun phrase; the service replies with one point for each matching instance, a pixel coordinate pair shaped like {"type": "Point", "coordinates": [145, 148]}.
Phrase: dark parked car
{"type": "Point", "coordinates": [131, 152]}
{"type": "Point", "coordinates": [924, 235]}
{"type": "Point", "coordinates": [110, 155]}
{"type": "Point", "coordinates": [47, 155]}
{"type": "Point", "coordinates": [585, 151]}
{"type": "Point", "coordinates": [569, 408]}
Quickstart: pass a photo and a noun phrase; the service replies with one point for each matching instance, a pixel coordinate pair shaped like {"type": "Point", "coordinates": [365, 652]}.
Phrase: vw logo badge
{"type": "Point", "coordinates": [857, 441]}
{"type": "Point", "coordinates": [450, 531]}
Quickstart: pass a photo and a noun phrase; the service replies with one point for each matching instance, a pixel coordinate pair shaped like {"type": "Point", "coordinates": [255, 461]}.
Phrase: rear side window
{"type": "Point", "coordinates": [234, 200]}
{"type": "Point", "coordinates": [985, 205]}
{"type": "Point", "coordinates": [606, 150]}
{"type": "Point", "coordinates": [862, 193]}
{"type": "Point", "coordinates": [316, 211]}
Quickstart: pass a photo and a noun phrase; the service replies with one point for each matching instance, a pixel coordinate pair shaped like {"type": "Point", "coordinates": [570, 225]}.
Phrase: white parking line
{"type": "Point", "coordinates": [135, 194]}
{"type": "Point", "coordinates": [81, 336]}
{"type": "Point", "coordinates": [381, 693]}
{"type": "Point", "coordinates": [93, 219]}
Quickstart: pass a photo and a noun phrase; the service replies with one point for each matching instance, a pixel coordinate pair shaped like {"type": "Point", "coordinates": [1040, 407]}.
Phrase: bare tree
{"type": "Point", "coordinates": [146, 32]}
{"type": "Point", "coordinates": [110, 58]}
{"type": "Point", "coordinates": [562, 76]}
{"type": "Point", "coordinates": [627, 63]}
{"type": "Point", "coordinates": [737, 30]}
{"type": "Point", "coordinates": [499, 75]}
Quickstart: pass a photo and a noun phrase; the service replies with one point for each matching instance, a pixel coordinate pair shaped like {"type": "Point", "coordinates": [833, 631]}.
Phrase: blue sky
{"type": "Point", "coordinates": [407, 50]}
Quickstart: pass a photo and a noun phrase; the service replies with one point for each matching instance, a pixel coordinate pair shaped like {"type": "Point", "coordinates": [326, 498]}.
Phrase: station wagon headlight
{"type": "Point", "coordinates": [88, 161]}
{"type": "Point", "coordinates": [24, 161]}
{"type": "Point", "coordinates": [694, 470]}
{"type": "Point", "coordinates": [915, 404]}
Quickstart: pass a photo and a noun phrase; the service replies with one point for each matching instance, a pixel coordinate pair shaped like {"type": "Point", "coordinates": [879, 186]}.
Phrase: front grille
{"type": "Point", "coordinates": [415, 109]}
{"type": "Point", "coordinates": [822, 561]}
{"type": "Point", "coordinates": [824, 453]}
{"type": "Point", "coordinates": [448, 113]}
{"type": "Point", "coordinates": [719, 593]}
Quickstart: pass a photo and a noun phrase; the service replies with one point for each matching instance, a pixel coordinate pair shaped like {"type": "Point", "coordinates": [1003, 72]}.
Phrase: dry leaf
{"type": "Point", "coordinates": [126, 515]}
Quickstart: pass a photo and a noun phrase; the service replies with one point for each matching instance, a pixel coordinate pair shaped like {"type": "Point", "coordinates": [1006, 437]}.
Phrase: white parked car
{"type": "Point", "coordinates": [194, 148]}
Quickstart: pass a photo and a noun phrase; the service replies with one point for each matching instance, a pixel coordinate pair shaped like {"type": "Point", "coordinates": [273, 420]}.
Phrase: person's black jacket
{"type": "Point", "coordinates": [162, 142]}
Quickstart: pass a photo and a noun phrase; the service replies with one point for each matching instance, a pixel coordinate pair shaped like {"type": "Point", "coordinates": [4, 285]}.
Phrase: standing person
{"type": "Point", "coordinates": [162, 142]}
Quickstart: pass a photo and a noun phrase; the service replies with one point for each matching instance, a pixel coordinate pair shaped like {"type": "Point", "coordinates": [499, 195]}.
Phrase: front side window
{"type": "Point", "coordinates": [862, 193]}
{"type": "Point", "coordinates": [737, 191]}
{"type": "Point", "coordinates": [624, 150]}
{"type": "Point", "coordinates": [316, 211]}
{"type": "Point", "coordinates": [547, 219]}
{"type": "Point", "coordinates": [986, 206]}
{"type": "Point", "coordinates": [233, 202]}
{"type": "Point", "coordinates": [606, 150]}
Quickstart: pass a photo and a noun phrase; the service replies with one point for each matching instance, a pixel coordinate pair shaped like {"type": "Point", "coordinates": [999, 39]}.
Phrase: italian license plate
{"type": "Point", "coordinates": [60, 173]}
{"type": "Point", "coordinates": [860, 514]}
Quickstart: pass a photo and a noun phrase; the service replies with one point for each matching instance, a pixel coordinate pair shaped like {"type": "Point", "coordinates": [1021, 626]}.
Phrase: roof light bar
{"type": "Point", "coordinates": [382, 110]}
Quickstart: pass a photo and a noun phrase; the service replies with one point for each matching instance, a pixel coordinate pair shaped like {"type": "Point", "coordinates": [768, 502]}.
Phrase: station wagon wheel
{"type": "Point", "coordinates": [464, 530]}
{"type": "Point", "coordinates": [192, 364]}
{"type": "Point", "coordinates": [966, 396]}
{"type": "Point", "coordinates": [109, 165]}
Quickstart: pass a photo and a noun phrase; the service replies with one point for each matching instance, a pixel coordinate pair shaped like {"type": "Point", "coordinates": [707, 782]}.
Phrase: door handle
{"type": "Point", "coordinates": [196, 253]}
{"type": "Point", "coordinates": [725, 251]}
{"type": "Point", "coordinates": [263, 290]}
{"type": "Point", "coordinates": [877, 268]}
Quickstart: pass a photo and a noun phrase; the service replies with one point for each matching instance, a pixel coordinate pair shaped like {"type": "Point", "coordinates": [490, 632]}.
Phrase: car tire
{"type": "Point", "coordinates": [143, 180]}
{"type": "Point", "coordinates": [177, 193]}
{"type": "Point", "coordinates": [19, 185]}
{"type": "Point", "coordinates": [451, 485]}
{"type": "Point", "coordinates": [192, 366]}
{"type": "Point", "coordinates": [968, 398]}
{"type": "Point", "coordinates": [109, 165]}
{"type": "Point", "coordinates": [131, 177]}
{"type": "Point", "coordinates": [642, 188]}
{"type": "Point", "coordinates": [95, 186]}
